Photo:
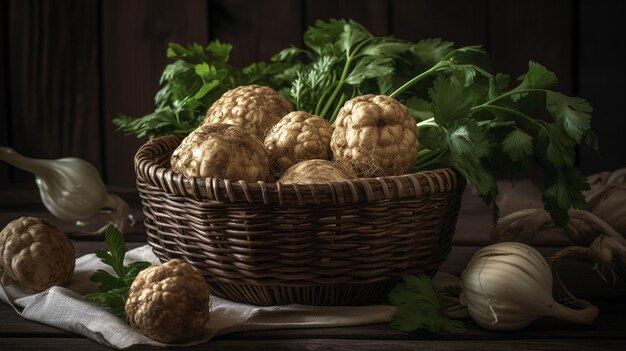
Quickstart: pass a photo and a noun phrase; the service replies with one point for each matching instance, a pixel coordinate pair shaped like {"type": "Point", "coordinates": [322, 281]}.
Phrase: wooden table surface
{"type": "Point", "coordinates": [607, 333]}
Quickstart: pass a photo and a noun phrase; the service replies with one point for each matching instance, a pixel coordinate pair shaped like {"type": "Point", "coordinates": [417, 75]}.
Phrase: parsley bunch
{"type": "Point", "coordinates": [470, 118]}
{"type": "Point", "coordinates": [485, 129]}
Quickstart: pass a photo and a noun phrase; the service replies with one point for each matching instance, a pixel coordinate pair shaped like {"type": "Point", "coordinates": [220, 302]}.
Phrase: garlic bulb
{"type": "Point", "coordinates": [507, 286]}
{"type": "Point", "coordinates": [70, 188]}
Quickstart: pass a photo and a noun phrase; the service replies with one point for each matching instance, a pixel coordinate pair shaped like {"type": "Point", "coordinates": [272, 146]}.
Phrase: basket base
{"type": "Point", "coordinates": [317, 295]}
{"type": "Point", "coordinates": [320, 295]}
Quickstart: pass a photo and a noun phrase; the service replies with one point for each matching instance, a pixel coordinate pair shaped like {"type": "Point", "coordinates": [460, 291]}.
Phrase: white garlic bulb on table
{"type": "Point", "coordinates": [507, 286]}
{"type": "Point", "coordinates": [70, 188]}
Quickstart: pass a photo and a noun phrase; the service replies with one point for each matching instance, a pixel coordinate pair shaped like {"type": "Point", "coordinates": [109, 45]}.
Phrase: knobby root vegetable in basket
{"type": "Point", "coordinates": [297, 137]}
{"type": "Point", "coordinates": [316, 172]}
{"type": "Point", "coordinates": [169, 302]}
{"type": "Point", "coordinates": [222, 150]}
{"type": "Point", "coordinates": [36, 254]}
{"type": "Point", "coordinates": [257, 108]}
{"type": "Point", "coordinates": [376, 136]}
{"type": "Point", "coordinates": [507, 286]}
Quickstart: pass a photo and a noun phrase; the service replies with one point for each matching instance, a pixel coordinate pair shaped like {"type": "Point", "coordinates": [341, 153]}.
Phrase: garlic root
{"type": "Point", "coordinates": [586, 315]}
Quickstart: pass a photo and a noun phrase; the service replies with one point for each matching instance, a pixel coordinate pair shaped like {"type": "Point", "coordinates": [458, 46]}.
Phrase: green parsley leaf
{"type": "Point", "coordinates": [480, 176]}
{"type": "Point", "coordinates": [370, 67]}
{"type": "Point", "coordinates": [114, 300]}
{"type": "Point", "coordinates": [537, 77]}
{"type": "Point", "coordinates": [385, 48]}
{"type": "Point", "coordinates": [116, 249]}
{"type": "Point", "coordinates": [420, 109]}
{"type": "Point", "coordinates": [498, 84]}
{"type": "Point", "coordinates": [321, 37]}
{"type": "Point", "coordinates": [449, 101]}
{"type": "Point", "coordinates": [432, 50]}
{"type": "Point", "coordinates": [420, 306]}
{"type": "Point", "coordinates": [573, 113]}
{"type": "Point", "coordinates": [468, 61]}
{"type": "Point", "coordinates": [113, 290]}
{"type": "Point", "coordinates": [518, 145]}
{"type": "Point", "coordinates": [290, 54]}
{"type": "Point", "coordinates": [352, 34]}
{"type": "Point", "coordinates": [563, 189]}
{"type": "Point", "coordinates": [107, 280]}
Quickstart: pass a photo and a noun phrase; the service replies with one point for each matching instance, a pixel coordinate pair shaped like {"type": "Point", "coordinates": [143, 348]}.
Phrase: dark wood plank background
{"type": "Point", "coordinates": [68, 67]}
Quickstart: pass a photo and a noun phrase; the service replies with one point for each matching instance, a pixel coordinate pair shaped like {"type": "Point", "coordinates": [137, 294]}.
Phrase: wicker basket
{"type": "Point", "coordinates": [340, 243]}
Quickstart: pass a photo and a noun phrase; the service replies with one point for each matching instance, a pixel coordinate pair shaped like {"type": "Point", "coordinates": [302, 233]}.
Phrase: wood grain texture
{"type": "Point", "coordinates": [538, 30]}
{"type": "Point", "coordinates": [53, 77]}
{"type": "Point", "coordinates": [256, 29]}
{"type": "Point", "coordinates": [601, 55]}
{"type": "Point", "coordinates": [372, 14]}
{"type": "Point", "coordinates": [463, 22]}
{"type": "Point", "coordinates": [609, 325]}
{"type": "Point", "coordinates": [572, 344]}
{"type": "Point", "coordinates": [135, 37]}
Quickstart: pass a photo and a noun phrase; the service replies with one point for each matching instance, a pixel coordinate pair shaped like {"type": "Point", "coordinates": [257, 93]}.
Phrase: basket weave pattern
{"type": "Point", "coordinates": [340, 243]}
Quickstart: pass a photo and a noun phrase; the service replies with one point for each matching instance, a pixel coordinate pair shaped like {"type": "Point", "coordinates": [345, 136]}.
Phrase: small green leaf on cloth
{"type": "Point", "coordinates": [113, 289]}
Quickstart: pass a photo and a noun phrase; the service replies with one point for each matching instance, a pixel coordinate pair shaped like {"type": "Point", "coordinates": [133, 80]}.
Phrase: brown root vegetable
{"type": "Point", "coordinates": [316, 172]}
{"type": "Point", "coordinates": [376, 135]}
{"type": "Point", "coordinates": [36, 254]}
{"type": "Point", "coordinates": [297, 137]}
{"type": "Point", "coordinates": [221, 150]}
{"type": "Point", "coordinates": [254, 107]}
{"type": "Point", "coordinates": [169, 302]}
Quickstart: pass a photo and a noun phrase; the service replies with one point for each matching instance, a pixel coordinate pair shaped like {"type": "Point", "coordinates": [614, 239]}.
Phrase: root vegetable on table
{"type": "Point", "coordinates": [36, 254]}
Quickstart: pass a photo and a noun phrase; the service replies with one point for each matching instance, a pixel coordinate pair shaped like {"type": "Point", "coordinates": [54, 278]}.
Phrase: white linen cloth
{"type": "Point", "coordinates": [64, 308]}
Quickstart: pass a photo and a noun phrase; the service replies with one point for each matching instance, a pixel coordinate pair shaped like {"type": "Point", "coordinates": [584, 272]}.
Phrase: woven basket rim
{"type": "Point", "coordinates": [150, 169]}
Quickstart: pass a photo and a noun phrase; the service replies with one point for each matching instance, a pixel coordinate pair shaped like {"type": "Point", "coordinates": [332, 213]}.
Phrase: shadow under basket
{"type": "Point", "coordinates": [338, 243]}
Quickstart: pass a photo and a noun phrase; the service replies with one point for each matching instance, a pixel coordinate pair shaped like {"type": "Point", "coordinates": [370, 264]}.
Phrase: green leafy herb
{"type": "Point", "coordinates": [198, 76]}
{"type": "Point", "coordinates": [113, 289]}
{"type": "Point", "coordinates": [488, 131]}
{"type": "Point", "coordinates": [420, 306]}
{"type": "Point", "coordinates": [345, 61]}
{"type": "Point", "coordinates": [470, 118]}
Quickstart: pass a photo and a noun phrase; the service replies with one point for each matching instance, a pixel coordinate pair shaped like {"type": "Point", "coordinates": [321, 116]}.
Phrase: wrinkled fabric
{"type": "Point", "coordinates": [64, 308]}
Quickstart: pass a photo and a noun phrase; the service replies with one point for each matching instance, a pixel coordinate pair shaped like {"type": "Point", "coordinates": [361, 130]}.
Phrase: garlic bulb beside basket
{"type": "Point", "coordinates": [72, 189]}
